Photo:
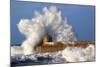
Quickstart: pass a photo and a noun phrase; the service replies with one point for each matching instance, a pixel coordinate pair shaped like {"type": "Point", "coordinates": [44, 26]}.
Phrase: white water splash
{"type": "Point", "coordinates": [75, 54]}
{"type": "Point", "coordinates": [50, 22]}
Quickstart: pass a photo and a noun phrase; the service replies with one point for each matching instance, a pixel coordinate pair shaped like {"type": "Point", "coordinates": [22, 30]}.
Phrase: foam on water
{"type": "Point", "coordinates": [69, 54]}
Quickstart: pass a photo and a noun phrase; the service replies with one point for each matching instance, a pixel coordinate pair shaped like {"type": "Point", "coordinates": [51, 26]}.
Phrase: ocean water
{"type": "Point", "coordinates": [69, 54]}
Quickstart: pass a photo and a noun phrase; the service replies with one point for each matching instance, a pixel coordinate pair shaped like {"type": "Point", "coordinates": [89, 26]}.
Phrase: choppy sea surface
{"type": "Point", "coordinates": [69, 54]}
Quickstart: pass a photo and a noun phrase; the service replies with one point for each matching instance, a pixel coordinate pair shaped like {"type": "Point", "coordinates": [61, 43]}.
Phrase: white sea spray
{"type": "Point", "coordinates": [50, 22]}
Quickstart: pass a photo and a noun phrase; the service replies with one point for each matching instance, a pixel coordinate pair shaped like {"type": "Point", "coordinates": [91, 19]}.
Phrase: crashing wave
{"type": "Point", "coordinates": [49, 22]}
